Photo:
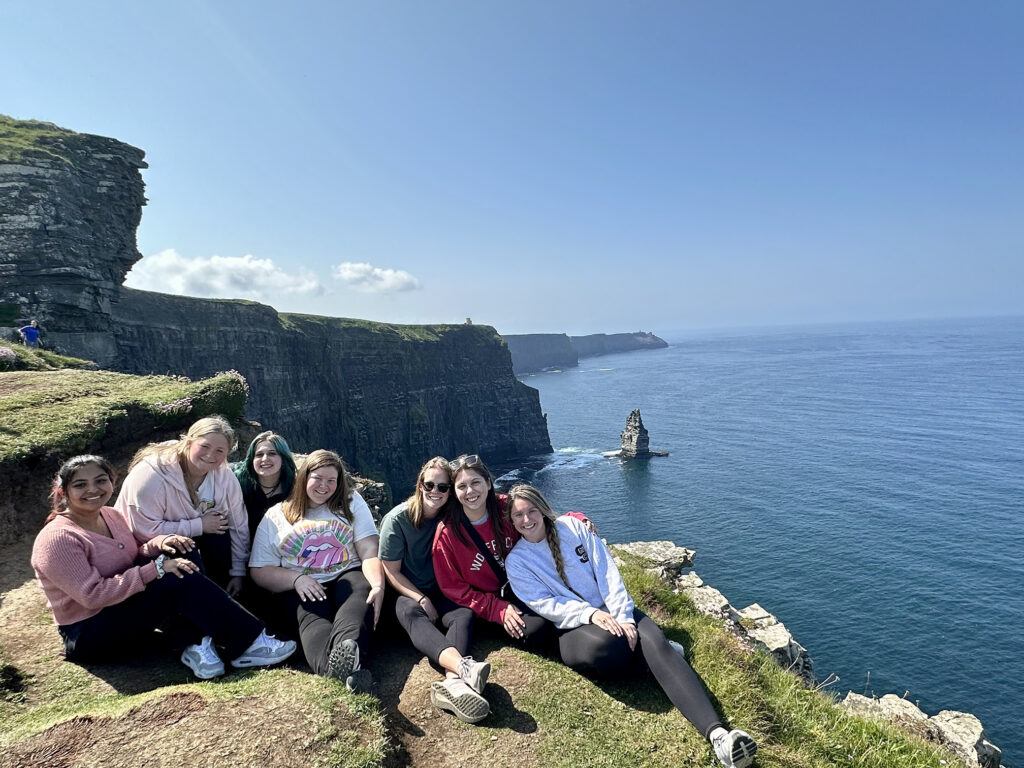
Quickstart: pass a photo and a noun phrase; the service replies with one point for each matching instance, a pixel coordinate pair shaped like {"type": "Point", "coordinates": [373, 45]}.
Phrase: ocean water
{"type": "Point", "coordinates": [864, 483]}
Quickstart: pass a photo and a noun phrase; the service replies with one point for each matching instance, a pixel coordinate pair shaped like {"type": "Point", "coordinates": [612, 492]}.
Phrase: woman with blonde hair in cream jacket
{"type": "Point", "coordinates": [565, 573]}
{"type": "Point", "coordinates": [185, 487]}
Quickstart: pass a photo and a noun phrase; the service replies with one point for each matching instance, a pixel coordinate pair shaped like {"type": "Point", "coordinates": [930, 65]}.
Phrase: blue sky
{"type": "Point", "coordinates": [556, 166]}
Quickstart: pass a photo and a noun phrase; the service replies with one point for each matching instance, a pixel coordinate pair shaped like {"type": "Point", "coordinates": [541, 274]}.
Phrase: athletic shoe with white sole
{"type": "Point", "coordinates": [265, 651]}
{"type": "Point", "coordinates": [203, 660]}
{"type": "Point", "coordinates": [454, 695]}
{"type": "Point", "coordinates": [474, 673]}
{"type": "Point", "coordinates": [735, 749]}
{"type": "Point", "coordinates": [344, 660]}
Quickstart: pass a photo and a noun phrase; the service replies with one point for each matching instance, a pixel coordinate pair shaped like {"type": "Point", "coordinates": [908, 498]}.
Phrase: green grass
{"type": "Point", "coordinates": [29, 359]}
{"type": "Point", "coordinates": [68, 410]}
{"type": "Point", "coordinates": [624, 724]}
{"type": "Point", "coordinates": [298, 322]}
{"type": "Point", "coordinates": [18, 137]}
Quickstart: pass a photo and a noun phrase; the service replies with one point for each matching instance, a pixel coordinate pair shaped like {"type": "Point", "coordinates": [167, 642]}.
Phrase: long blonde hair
{"type": "Point", "coordinates": [168, 453]}
{"type": "Point", "coordinates": [531, 495]}
{"type": "Point", "coordinates": [296, 505]}
{"type": "Point", "coordinates": [414, 508]}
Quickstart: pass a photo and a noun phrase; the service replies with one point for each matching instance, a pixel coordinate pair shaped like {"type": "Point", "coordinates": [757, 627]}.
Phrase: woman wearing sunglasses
{"type": "Point", "coordinates": [406, 535]}
{"type": "Point", "coordinates": [472, 541]}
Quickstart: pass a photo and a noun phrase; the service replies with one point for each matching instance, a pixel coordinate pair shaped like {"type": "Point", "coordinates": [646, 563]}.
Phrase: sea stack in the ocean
{"type": "Point", "coordinates": [636, 443]}
{"type": "Point", "coordinates": [635, 440]}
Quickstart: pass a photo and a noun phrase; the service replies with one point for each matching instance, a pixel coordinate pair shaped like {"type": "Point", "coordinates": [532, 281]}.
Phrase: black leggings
{"type": "Point", "coordinates": [594, 651]}
{"type": "Point", "coordinates": [322, 624]}
{"type": "Point", "coordinates": [215, 556]}
{"type": "Point", "coordinates": [426, 637]}
{"type": "Point", "coordinates": [194, 603]}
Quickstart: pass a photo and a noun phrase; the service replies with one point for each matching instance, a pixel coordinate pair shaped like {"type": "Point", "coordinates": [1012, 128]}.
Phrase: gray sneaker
{"type": "Point", "coordinates": [265, 651]}
{"type": "Point", "coordinates": [735, 749]}
{"type": "Point", "coordinates": [203, 660]}
{"type": "Point", "coordinates": [474, 673]}
{"type": "Point", "coordinates": [344, 660]}
{"type": "Point", "coordinates": [455, 696]}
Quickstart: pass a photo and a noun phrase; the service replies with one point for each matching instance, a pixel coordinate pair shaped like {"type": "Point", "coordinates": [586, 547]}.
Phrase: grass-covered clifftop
{"type": "Point", "coordinates": [56, 713]}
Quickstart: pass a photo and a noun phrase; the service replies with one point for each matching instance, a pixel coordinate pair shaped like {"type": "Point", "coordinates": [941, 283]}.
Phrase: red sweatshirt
{"type": "Point", "coordinates": [82, 572]}
{"type": "Point", "coordinates": [462, 572]}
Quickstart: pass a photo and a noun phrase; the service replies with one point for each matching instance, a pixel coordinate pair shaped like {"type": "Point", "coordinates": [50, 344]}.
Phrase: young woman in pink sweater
{"type": "Point", "coordinates": [109, 589]}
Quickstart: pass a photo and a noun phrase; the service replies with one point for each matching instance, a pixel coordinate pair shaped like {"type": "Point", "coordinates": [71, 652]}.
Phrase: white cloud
{"type": "Point", "coordinates": [371, 279]}
{"type": "Point", "coordinates": [224, 277]}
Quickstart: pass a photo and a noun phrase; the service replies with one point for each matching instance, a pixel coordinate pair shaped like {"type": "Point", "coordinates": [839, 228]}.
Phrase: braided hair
{"type": "Point", "coordinates": [532, 496]}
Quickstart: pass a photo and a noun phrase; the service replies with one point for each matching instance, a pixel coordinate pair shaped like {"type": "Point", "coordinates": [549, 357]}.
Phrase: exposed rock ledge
{"type": "Point", "coordinates": [960, 732]}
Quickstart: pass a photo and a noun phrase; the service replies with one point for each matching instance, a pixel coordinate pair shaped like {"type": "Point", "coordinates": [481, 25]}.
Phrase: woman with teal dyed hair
{"type": "Point", "coordinates": [267, 476]}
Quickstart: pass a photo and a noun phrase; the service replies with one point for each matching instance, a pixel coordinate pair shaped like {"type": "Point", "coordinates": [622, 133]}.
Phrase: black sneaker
{"type": "Point", "coordinates": [344, 660]}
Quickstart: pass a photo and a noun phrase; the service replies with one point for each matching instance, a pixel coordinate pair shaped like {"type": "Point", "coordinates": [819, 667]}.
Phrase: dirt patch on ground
{"type": "Point", "coordinates": [181, 729]}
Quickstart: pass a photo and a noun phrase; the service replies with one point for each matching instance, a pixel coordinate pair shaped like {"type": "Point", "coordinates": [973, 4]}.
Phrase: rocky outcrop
{"type": "Point", "coordinates": [607, 343]}
{"type": "Point", "coordinates": [960, 732]}
{"type": "Point", "coordinates": [387, 397]}
{"type": "Point", "coordinates": [635, 440]}
{"type": "Point", "coordinates": [539, 351]}
{"type": "Point", "coordinates": [753, 624]}
{"type": "Point", "coordinates": [69, 207]}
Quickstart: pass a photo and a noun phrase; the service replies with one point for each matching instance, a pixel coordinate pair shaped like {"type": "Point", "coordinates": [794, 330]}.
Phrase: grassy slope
{"type": "Point", "coordinates": [68, 410]}
{"type": "Point", "coordinates": [20, 136]}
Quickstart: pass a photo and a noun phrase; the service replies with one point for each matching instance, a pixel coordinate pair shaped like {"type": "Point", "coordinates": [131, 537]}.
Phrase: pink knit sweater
{"type": "Point", "coordinates": [82, 572]}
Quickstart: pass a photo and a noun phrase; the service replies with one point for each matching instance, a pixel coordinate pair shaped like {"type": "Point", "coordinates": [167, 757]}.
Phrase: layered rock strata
{"type": "Point", "coordinates": [386, 397]}
{"type": "Point", "coordinates": [69, 207]}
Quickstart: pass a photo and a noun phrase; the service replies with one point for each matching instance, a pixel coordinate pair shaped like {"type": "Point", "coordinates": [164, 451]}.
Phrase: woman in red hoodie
{"type": "Point", "coordinates": [469, 551]}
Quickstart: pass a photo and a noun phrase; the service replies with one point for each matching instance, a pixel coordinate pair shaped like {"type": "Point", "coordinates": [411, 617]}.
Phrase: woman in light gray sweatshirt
{"type": "Point", "coordinates": [565, 573]}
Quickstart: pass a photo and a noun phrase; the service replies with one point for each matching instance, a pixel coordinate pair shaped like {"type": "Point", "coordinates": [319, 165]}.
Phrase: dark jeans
{"type": "Point", "coordinates": [215, 560]}
{"type": "Point", "coordinates": [322, 624]}
{"type": "Point", "coordinates": [194, 603]}
{"type": "Point", "coordinates": [594, 651]}
{"type": "Point", "coordinates": [426, 637]}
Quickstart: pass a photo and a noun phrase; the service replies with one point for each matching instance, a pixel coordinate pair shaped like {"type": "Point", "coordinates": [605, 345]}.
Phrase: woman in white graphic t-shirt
{"type": "Point", "coordinates": [318, 552]}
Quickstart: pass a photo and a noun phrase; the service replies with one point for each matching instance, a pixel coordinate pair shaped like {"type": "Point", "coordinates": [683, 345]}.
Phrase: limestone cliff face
{"type": "Point", "coordinates": [537, 351]}
{"type": "Point", "coordinates": [69, 207]}
{"type": "Point", "coordinates": [386, 397]}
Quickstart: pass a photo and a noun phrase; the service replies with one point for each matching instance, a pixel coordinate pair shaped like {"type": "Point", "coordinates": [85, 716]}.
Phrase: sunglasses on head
{"type": "Point", "coordinates": [463, 461]}
{"type": "Point", "coordinates": [441, 487]}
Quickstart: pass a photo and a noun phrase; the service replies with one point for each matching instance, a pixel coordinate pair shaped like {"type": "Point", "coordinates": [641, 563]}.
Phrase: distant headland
{"type": "Point", "coordinates": [533, 352]}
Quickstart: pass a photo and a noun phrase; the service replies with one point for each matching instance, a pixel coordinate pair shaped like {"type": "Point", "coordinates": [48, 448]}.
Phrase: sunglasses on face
{"type": "Point", "coordinates": [463, 461]}
{"type": "Point", "coordinates": [441, 487]}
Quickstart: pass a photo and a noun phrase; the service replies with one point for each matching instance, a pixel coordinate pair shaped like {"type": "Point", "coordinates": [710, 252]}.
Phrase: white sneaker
{"type": "Point", "coordinates": [203, 660]}
{"type": "Point", "coordinates": [678, 648]}
{"type": "Point", "coordinates": [454, 695]}
{"type": "Point", "coordinates": [734, 749]}
{"type": "Point", "coordinates": [265, 651]}
{"type": "Point", "coordinates": [474, 673]}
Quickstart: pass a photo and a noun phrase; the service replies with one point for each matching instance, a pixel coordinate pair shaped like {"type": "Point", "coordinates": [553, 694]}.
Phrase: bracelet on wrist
{"type": "Point", "coordinates": [159, 563]}
{"type": "Point", "coordinates": [296, 580]}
